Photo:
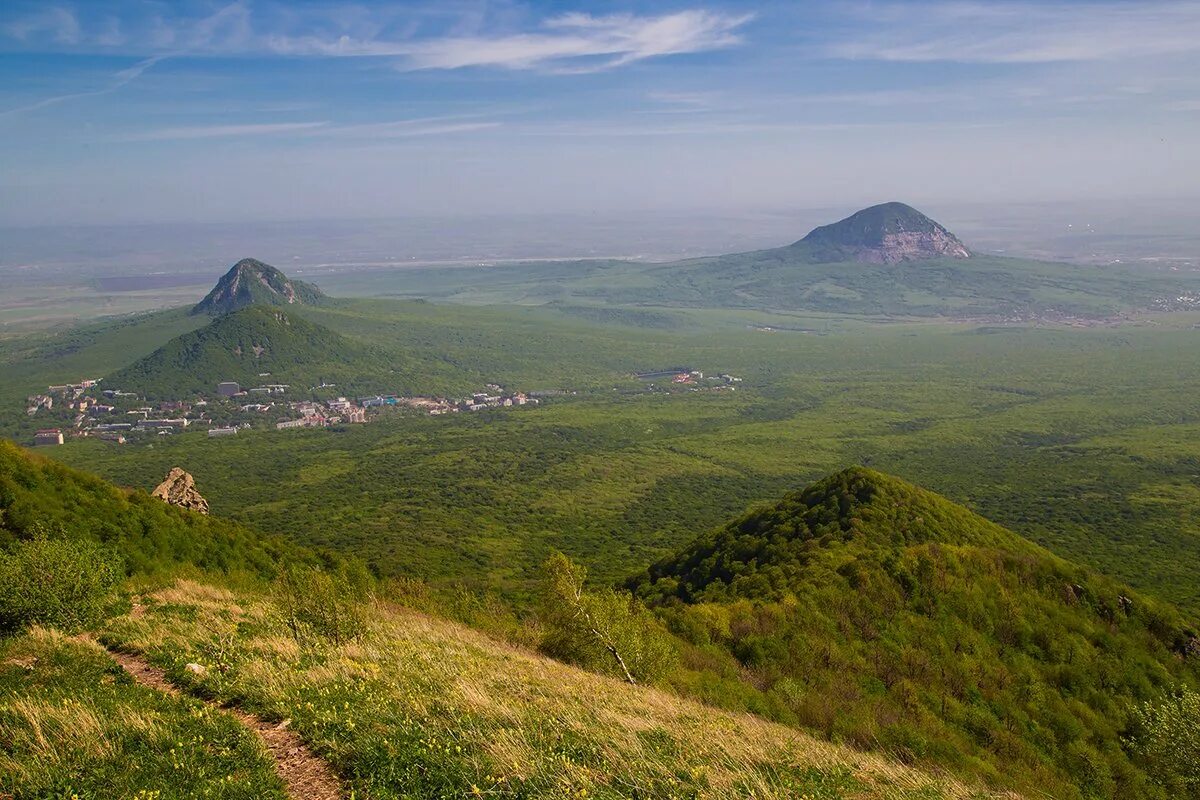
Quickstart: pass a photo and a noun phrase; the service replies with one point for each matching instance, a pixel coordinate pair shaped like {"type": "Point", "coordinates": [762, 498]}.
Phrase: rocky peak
{"type": "Point", "coordinates": [251, 282]}
{"type": "Point", "coordinates": [179, 489]}
{"type": "Point", "coordinates": [888, 233]}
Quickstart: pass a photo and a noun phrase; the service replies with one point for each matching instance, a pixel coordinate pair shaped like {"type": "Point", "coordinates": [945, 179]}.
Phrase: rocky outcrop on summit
{"type": "Point", "coordinates": [179, 489]}
{"type": "Point", "coordinates": [889, 233]}
{"type": "Point", "coordinates": [251, 282]}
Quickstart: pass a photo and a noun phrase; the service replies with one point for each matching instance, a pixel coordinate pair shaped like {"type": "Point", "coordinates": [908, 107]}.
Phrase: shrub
{"type": "Point", "coordinates": [323, 604]}
{"type": "Point", "coordinates": [1168, 739]}
{"type": "Point", "coordinates": [602, 630]}
{"type": "Point", "coordinates": [61, 583]}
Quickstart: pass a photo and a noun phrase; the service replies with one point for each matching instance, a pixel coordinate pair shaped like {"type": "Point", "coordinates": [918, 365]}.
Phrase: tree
{"type": "Point", "coordinates": [602, 629]}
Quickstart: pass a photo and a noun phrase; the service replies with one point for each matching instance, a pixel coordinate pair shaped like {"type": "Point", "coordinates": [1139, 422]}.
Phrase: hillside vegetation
{"type": "Point", "coordinates": [244, 344]}
{"type": "Point", "coordinates": [883, 613]}
{"type": "Point", "coordinates": [421, 708]}
{"type": "Point", "coordinates": [39, 496]}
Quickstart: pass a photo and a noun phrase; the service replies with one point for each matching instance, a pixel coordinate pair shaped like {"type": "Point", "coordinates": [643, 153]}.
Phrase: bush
{"type": "Point", "coordinates": [322, 604]}
{"type": "Point", "coordinates": [62, 583]}
{"type": "Point", "coordinates": [1168, 739]}
{"type": "Point", "coordinates": [601, 630]}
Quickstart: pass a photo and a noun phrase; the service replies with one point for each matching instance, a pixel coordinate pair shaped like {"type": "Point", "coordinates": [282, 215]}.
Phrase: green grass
{"type": "Point", "coordinates": [74, 726]}
{"type": "Point", "coordinates": [422, 708]}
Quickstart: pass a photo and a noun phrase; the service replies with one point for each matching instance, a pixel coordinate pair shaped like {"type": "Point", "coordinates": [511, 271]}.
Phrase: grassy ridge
{"type": "Point", "coordinates": [883, 613]}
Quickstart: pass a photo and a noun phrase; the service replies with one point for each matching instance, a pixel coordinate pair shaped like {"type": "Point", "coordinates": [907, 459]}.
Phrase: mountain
{"type": "Point", "coordinates": [243, 345]}
{"type": "Point", "coordinates": [251, 282]}
{"type": "Point", "coordinates": [889, 616]}
{"type": "Point", "coordinates": [888, 260]}
{"type": "Point", "coordinates": [884, 234]}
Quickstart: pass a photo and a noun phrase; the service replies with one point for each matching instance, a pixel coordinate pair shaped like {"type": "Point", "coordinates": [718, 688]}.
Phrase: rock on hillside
{"type": "Point", "coordinates": [251, 282]}
{"type": "Point", "coordinates": [179, 489]}
{"type": "Point", "coordinates": [889, 233]}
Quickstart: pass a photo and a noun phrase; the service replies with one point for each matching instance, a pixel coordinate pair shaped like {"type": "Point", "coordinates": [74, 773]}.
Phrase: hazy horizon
{"type": "Point", "coordinates": [126, 113]}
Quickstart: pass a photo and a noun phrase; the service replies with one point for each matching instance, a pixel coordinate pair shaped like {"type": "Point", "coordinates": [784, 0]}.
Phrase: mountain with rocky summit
{"type": "Point", "coordinates": [889, 233]}
{"type": "Point", "coordinates": [251, 282]}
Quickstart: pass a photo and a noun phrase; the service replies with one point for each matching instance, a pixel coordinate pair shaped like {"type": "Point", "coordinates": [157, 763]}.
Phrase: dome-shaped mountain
{"type": "Point", "coordinates": [884, 234]}
{"type": "Point", "coordinates": [251, 282]}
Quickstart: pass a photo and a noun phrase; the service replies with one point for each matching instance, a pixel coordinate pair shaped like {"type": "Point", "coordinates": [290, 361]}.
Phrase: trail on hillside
{"type": "Point", "coordinates": [306, 776]}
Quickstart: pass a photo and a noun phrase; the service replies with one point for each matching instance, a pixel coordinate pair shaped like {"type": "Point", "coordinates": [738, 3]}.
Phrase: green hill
{"type": "Point", "coordinates": [251, 282]}
{"type": "Point", "coordinates": [887, 260]}
{"type": "Point", "coordinates": [887, 615]}
{"type": "Point", "coordinates": [242, 345]}
{"type": "Point", "coordinates": [37, 494]}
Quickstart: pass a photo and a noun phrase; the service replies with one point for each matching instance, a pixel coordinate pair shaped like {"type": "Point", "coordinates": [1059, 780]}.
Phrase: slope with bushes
{"type": "Point", "coordinates": [42, 497]}
{"type": "Point", "coordinates": [888, 616]}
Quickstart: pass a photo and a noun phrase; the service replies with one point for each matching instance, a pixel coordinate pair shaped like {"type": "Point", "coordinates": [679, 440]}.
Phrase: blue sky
{"type": "Point", "coordinates": [196, 110]}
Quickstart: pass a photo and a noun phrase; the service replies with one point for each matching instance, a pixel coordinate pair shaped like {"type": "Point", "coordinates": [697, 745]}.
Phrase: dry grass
{"type": "Point", "coordinates": [417, 696]}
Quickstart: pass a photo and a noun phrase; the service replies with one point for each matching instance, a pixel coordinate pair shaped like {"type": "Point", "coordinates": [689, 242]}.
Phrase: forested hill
{"type": "Point", "coordinates": [886, 614]}
{"type": "Point", "coordinates": [40, 496]}
{"type": "Point", "coordinates": [244, 345]}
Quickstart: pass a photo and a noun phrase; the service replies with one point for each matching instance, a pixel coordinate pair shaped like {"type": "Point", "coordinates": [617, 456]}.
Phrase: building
{"type": "Point", "coordinates": [228, 388]}
{"type": "Point", "coordinates": [214, 432]}
{"type": "Point", "coordinates": [356, 415]}
{"type": "Point", "coordinates": [48, 436]}
{"type": "Point", "coordinates": [162, 424]}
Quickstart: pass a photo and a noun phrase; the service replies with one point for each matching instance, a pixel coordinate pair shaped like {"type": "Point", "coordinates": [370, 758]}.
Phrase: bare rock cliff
{"type": "Point", "coordinates": [179, 489]}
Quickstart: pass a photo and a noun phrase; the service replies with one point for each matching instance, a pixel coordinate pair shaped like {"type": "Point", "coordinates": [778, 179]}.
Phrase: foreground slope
{"type": "Point", "coordinates": [243, 345]}
{"type": "Point", "coordinates": [884, 613]}
{"type": "Point", "coordinates": [251, 282]}
{"type": "Point", "coordinates": [423, 708]}
{"type": "Point", "coordinates": [38, 495]}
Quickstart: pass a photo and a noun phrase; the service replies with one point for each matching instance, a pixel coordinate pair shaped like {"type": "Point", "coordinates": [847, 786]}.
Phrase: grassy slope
{"type": "Point", "coordinates": [242, 345]}
{"type": "Point", "coordinates": [423, 708]}
{"type": "Point", "coordinates": [37, 493]}
{"type": "Point", "coordinates": [884, 613]}
{"type": "Point", "coordinates": [73, 725]}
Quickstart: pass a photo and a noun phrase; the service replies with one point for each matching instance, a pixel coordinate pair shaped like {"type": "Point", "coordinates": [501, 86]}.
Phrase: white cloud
{"type": "Point", "coordinates": [218, 131]}
{"type": "Point", "coordinates": [569, 43]}
{"type": "Point", "coordinates": [119, 79]}
{"type": "Point", "coordinates": [1022, 32]}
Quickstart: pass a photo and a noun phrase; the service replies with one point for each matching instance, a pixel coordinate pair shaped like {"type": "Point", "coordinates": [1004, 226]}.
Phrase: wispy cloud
{"type": "Point", "coordinates": [569, 43]}
{"type": "Point", "coordinates": [119, 79]}
{"type": "Point", "coordinates": [1021, 32]}
{"type": "Point", "coordinates": [219, 131]}
{"type": "Point", "coordinates": [427, 126]}
{"type": "Point", "coordinates": [574, 42]}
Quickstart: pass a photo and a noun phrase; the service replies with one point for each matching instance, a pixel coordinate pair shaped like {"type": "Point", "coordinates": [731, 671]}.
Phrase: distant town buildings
{"type": "Point", "coordinates": [215, 432]}
{"type": "Point", "coordinates": [48, 436]}
{"type": "Point", "coordinates": [228, 388]}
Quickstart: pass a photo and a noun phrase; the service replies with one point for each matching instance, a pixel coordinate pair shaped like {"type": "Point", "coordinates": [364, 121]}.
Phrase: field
{"type": "Point", "coordinates": [1084, 439]}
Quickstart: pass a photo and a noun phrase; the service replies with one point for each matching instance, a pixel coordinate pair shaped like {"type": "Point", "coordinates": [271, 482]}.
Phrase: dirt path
{"type": "Point", "coordinates": [306, 776]}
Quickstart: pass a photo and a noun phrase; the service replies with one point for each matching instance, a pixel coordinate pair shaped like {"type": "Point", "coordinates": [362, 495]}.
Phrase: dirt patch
{"type": "Point", "coordinates": [306, 776]}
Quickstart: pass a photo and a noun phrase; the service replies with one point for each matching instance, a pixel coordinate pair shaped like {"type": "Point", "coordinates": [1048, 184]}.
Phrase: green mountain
{"type": "Point", "coordinates": [251, 282]}
{"type": "Point", "coordinates": [243, 345]}
{"type": "Point", "coordinates": [40, 495]}
{"type": "Point", "coordinates": [884, 234]}
{"type": "Point", "coordinates": [889, 616]}
{"type": "Point", "coordinates": [887, 260]}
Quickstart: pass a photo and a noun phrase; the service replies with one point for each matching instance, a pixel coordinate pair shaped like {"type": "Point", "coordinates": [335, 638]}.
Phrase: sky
{"type": "Point", "coordinates": [142, 111]}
